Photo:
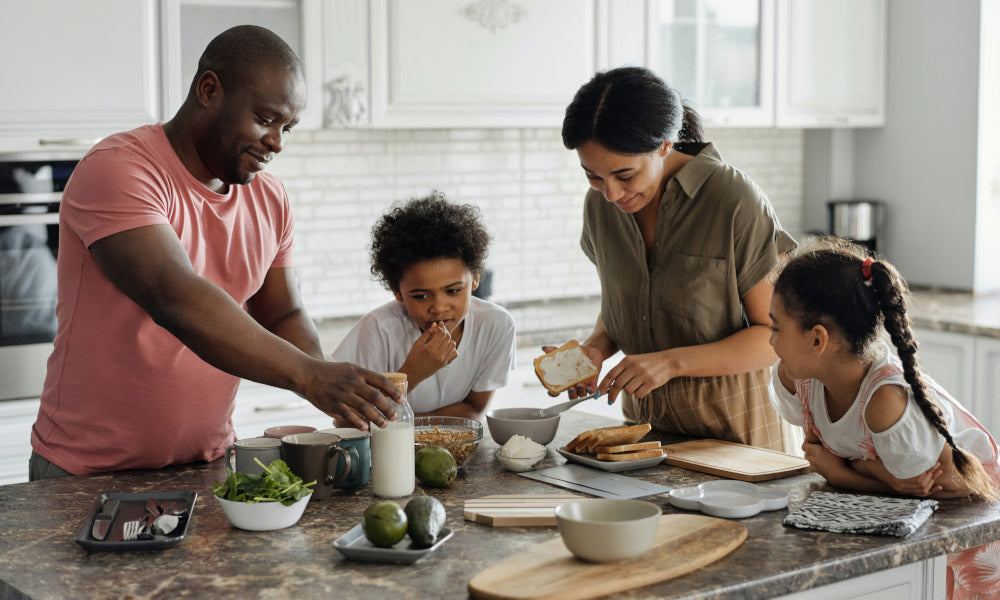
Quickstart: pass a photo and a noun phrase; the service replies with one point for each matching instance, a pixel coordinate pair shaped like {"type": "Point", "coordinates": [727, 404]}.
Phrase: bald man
{"type": "Point", "coordinates": [175, 280]}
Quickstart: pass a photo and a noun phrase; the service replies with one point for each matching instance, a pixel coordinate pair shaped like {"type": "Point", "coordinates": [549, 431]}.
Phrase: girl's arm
{"type": "Point", "coordinates": [838, 472]}
{"type": "Point", "coordinates": [743, 351]}
{"type": "Point", "coordinates": [470, 408]}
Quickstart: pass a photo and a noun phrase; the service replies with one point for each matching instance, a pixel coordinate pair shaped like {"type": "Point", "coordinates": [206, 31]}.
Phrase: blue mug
{"type": "Point", "coordinates": [358, 444]}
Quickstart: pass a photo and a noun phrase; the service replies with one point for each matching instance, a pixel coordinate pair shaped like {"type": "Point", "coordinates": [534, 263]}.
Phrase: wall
{"type": "Point", "coordinates": [988, 204]}
{"type": "Point", "coordinates": [528, 186]}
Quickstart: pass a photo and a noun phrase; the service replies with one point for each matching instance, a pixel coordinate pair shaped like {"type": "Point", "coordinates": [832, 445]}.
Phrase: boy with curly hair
{"type": "Point", "coordinates": [456, 349]}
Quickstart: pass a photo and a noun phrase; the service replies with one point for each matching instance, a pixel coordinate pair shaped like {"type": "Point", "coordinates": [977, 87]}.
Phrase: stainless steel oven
{"type": "Point", "coordinates": [31, 185]}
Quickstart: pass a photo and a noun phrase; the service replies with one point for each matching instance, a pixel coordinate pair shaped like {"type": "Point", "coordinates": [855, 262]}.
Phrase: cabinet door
{"type": "Point", "coordinates": [189, 25]}
{"type": "Point", "coordinates": [478, 63]}
{"type": "Point", "coordinates": [948, 358]}
{"type": "Point", "coordinates": [987, 387]}
{"type": "Point", "coordinates": [74, 69]}
{"type": "Point", "coordinates": [831, 63]}
{"type": "Point", "coordinates": [718, 54]}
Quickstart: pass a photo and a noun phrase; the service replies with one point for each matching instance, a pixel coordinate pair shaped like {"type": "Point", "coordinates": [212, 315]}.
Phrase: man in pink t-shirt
{"type": "Point", "coordinates": [175, 280]}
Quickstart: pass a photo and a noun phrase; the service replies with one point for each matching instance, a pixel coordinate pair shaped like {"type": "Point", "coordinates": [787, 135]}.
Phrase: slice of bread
{"type": "Point", "coordinates": [615, 436]}
{"type": "Point", "coordinates": [564, 367]}
{"type": "Point", "coordinates": [622, 456]}
{"type": "Point", "coordinates": [579, 441]}
{"type": "Point", "coordinates": [626, 448]}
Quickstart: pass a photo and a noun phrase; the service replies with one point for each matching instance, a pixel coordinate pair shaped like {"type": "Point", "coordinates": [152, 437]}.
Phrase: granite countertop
{"type": "Point", "coordinates": [40, 559]}
{"type": "Point", "coordinates": [957, 312]}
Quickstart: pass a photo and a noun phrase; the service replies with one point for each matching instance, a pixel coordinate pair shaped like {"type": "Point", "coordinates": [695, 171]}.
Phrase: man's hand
{"type": "Point", "coordinates": [587, 387]}
{"type": "Point", "coordinates": [432, 350]}
{"type": "Point", "coordinates": [351, 395]}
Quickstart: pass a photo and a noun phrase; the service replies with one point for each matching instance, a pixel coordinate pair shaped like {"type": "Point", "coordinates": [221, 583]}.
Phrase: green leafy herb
{"type": "Point", "coordinates": [276, 484]}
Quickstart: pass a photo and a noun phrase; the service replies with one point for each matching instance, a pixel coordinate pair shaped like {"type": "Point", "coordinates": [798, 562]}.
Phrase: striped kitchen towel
{"type": "Point", "coordinates": [851, 513]}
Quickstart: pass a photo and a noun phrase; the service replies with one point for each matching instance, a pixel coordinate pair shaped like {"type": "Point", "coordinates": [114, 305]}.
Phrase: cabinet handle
{"type": "Point", "coordinates": [69, 142]}
{"type": "Point", "coordinates": [278, 407]}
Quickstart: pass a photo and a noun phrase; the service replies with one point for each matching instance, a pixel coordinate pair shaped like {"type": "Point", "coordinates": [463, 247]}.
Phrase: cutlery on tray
{"type": "Point", "coordinates": [104, 519]}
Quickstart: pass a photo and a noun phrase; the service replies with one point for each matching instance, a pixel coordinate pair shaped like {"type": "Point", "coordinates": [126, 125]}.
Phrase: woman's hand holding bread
{"type": "Point", "coordinates": [570, 367]}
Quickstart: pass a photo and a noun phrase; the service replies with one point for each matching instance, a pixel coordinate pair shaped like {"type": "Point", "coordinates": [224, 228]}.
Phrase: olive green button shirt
{"type": "Point", "coordinates": [716, 238]}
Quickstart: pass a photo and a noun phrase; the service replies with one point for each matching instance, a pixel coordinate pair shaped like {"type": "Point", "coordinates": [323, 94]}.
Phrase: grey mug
{"type": "Point", "coordinates": [241, 454]}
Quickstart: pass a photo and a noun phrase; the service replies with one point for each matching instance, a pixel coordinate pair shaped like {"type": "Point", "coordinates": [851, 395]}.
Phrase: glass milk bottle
{"type": "Point", "coordinates": [393, 449]}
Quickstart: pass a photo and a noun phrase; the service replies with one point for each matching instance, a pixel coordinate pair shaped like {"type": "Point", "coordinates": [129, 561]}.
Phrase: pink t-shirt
{"type": "Point", "coordinates": [121, 392]}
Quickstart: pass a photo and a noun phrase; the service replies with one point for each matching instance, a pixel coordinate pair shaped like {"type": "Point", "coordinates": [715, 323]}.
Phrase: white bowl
{"type": "Point", "coordinates": [504, 423]}
{"type": "Point", "coordinates": [263, 516]}
{"type": "Point", "coordinates": [520, 463]}
{"type": "Point", "coordinates": [607, 530]}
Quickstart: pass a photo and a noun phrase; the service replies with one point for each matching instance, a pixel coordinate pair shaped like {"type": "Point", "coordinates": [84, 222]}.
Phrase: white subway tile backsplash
{"type": "Point", "coordinates": [528, 187]}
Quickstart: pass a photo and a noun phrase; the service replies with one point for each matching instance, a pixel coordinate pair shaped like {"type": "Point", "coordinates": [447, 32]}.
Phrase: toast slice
{"type": "Point", "coordinates": [564, 367]}
{"type": "Point", "coordinates": [623, 456]}
{"type": "Point", "coordinates": [579, 441]}
{"type": "Point", "coordinates": [616, 436]}
{"type": "Point", "coordinates": [626, 448]}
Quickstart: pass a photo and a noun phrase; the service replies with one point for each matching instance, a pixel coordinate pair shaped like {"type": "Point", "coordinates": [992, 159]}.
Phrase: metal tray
{"type": "Point", "coordinates": [612, 466]}
{"type": "Point", "coordinates": [355, 546]}
{"type": "Point", "coordinates": [133, 506]}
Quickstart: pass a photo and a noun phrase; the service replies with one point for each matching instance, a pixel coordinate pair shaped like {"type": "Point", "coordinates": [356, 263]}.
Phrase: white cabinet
{"type": "Point", "coordinates": [924, 580]}
{"type": "Point", "coordinates": [719, 54]}
{"type": "Point", "coordinates": [456, 63]}
{"type": "Point", "coordinates": [189, 25]}
{"type": "Point", "coordinates": [77, 69]}
{"type": "Point", "coordinates": [948, 358]}
{"type": "Point", "coordinates": [16, 419]}
{"type": "Point", "coordinates": [968, 367]}
{"type": "Point", "coordinates": [785, 63]}
{"type": "Point", "coordinates": [987, 378]}
{"type": "Point", "coordinates": [831, 61]}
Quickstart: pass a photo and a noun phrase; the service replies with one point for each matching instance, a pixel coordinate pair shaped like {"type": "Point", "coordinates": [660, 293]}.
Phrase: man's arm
{"type": "Point", "coordinates": [149, 265]}
{"type": "Point", "coordinates": [471, 408]}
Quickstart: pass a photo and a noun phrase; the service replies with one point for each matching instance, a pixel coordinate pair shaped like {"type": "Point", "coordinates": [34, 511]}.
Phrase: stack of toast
{"type": "Point", "coordinates": [616, 443]}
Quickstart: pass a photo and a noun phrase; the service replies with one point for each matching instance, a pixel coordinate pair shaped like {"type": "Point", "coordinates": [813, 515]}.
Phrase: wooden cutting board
{"type": "Point", "coordinates": [683, 544]}
{"type": "Point", "coordinates": [513, 510]}
{"type": "Point", "coordinates": [735, 461]}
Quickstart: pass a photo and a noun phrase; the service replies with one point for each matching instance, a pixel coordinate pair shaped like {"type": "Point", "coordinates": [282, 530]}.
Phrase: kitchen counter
{"type": "Point", "coordinates": [40, 559]}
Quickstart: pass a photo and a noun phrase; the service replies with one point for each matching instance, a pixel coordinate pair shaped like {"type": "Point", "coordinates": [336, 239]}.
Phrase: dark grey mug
{"type": "Point", "coordinates": [358, 443]}
{"type": "Point", "coordinates": [314, 457]}
{"type": "Point", "coordinates": [239, 456]}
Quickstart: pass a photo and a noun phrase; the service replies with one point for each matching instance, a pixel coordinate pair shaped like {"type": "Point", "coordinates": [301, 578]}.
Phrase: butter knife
{"type": "Point", "coordinates": [104, 519]}
{"type": "Point", "coordinates": [544, 413]}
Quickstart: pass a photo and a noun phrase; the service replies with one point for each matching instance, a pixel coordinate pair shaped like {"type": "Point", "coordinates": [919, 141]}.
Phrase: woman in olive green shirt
{"type": "Point", "coordinates": [683, 245]}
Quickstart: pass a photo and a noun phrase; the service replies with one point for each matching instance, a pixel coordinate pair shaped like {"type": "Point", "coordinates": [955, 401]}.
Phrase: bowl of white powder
{"type": "Point", "coordinates": [520, 453]}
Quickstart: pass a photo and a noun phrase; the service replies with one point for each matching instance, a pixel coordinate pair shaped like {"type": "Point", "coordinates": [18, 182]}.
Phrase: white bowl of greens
{"type": "Point", "coordinates": [274, 499]}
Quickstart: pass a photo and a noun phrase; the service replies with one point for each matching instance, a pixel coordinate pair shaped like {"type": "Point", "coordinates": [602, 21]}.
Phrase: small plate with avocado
{"type": "Point", "coordinates": [355, 546]}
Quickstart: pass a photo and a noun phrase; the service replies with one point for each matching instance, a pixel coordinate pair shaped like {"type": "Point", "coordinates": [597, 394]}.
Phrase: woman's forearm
{"type": "Point", "coordinates": [745, 350]}
{"type": "Point", "coordinates": [600, 340]}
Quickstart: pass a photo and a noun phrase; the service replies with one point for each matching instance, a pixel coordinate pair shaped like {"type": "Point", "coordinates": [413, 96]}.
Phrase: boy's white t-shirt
{"type": "Point", "coordinates": [381, 340]}
{"type": "Point", "coordinates": [910, 446]}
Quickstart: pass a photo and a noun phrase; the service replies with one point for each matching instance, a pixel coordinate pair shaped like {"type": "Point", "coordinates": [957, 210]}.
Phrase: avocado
{"type": "Point", "coordinates": [425, 517]}
{"type": "Point", "coordinates": [435, 466]}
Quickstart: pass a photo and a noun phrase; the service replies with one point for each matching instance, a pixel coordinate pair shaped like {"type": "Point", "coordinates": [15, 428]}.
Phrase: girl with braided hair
{"type": "Point", "coordinates": [873, 422]}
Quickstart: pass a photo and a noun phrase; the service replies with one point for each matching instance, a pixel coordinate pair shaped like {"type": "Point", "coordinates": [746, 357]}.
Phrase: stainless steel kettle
{"type": "Point", "coordinates": [856, 220]}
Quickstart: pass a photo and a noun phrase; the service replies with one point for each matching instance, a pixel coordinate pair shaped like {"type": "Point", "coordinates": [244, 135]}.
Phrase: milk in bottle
{"type": "Point", "coordinates": [393, 449]}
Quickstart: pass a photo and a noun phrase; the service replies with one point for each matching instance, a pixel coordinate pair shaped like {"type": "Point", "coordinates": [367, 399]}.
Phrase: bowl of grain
{"type": "Point", "coordinates": [457, 435]}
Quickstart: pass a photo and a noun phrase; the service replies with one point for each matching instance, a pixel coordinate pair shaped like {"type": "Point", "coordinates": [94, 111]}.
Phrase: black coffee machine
{"type": "Point", "coordinates": [860, 221]}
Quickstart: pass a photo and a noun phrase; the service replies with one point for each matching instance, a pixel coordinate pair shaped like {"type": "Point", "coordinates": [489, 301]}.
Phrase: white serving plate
{"type": "Point", "coordinates": [612, 466]}
{"type": "Point", "coordinates": [728, 499]}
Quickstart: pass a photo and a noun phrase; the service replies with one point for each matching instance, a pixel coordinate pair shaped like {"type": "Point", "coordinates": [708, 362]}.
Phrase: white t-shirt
{"type": "Point", "coordinates": [908, 448]}
{"type": "Point", "coordinates": [381, 340]}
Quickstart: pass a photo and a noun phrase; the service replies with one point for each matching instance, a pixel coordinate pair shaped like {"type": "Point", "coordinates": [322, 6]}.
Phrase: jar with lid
{"type": "Point", "coordinates": [393, 449]}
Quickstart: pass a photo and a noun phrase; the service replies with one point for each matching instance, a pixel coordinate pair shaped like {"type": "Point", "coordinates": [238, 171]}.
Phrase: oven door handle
{"type": "Point", "coordinates": [35, 219]}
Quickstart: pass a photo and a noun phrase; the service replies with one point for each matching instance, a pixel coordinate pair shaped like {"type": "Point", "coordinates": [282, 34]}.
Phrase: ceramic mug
{"type": "Point", "coordinates": [358, 443]}
{"type": "Point", "coordinates": [239, 456]}
{"type": "Point", "coordinates": [279, 431]}
{"type": "Point", "coordinates": [315, 457]}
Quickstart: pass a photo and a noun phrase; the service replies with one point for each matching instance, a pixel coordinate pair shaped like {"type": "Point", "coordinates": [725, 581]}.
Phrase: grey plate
{"type": "Point", "coordinates": [612, 466]}
{"type": "Point", "coordinates": [355, 545]}
{"type": "Point", "coordinates": [133, 506]}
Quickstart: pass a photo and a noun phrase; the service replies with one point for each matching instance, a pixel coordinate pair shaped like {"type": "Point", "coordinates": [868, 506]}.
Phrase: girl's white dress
{"type": "Point", "coordinates": [907, 449]}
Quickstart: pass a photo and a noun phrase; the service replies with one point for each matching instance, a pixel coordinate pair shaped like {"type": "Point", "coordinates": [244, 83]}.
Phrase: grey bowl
{"type": "Point", "coordinates": [506, 422]}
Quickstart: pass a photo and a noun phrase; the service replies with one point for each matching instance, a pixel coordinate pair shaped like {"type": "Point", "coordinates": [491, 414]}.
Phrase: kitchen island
{"type": "Point", "coordinates": [40, 559]}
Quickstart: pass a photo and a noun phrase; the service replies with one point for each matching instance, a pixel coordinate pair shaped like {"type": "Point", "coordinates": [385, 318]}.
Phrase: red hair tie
{"type": "Point", "coordinates": [866, 268]}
